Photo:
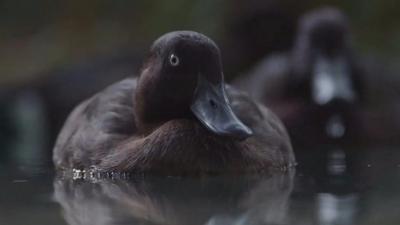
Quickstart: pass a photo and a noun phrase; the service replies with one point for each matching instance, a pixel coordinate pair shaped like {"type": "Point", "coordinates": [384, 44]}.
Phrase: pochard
{"type": "Point", "coordinates": [316, 88]}
{"type": "Point", "coordinates": [178, 117]}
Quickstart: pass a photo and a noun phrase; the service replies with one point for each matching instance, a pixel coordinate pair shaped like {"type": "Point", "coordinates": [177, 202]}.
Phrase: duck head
{"type": "Point", "coordinates": [183, 78]}
{"type": "Point", "coordinates": [323, 51]}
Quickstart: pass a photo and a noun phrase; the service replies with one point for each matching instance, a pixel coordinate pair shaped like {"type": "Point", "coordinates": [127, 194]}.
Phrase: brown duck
{"type": "Point", "coordinates": [317, 88]}
{"type": "Point", "coordinates": [177, 117]}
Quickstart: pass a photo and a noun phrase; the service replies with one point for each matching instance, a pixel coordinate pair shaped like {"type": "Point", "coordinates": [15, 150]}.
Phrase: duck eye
{"type": "Point", "coordinates": [173, 60]}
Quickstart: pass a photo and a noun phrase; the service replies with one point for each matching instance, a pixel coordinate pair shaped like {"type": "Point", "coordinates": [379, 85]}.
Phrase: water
{"type": "Point", "coordinates": [334, 186]}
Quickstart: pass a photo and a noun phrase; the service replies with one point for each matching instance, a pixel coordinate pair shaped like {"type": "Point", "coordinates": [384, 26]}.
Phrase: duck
{"type": "Point", "coordinates": [317, 88]}
{"type": "Point", "coordinates": [178, 117]}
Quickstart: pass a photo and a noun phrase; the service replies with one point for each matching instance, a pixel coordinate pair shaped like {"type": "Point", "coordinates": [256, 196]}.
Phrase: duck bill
{"type": "Point", "coordinates": [211, 107]}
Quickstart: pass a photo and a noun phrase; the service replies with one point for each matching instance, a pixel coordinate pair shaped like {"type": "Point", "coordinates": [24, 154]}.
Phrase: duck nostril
{"type": "Point", "coordinates": [213, 104]}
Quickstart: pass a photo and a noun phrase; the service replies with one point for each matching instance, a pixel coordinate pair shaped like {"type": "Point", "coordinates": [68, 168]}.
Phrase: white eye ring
{"type": "Point", "coordinates": [173, 60]}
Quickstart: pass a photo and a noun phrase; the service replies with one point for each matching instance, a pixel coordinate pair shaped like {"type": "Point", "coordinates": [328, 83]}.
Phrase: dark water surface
{"type": "Point", "coordinates": [361, 186]}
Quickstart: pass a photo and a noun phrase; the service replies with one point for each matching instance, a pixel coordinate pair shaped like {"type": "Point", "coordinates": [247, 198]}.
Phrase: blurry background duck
{"type": "Point", "coordinates": [320, 89]}
{"type": "Point", "coordinates": [176, 118]}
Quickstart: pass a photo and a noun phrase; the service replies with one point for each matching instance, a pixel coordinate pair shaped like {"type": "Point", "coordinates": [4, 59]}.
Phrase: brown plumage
{"type": "Point", "coordinates": [174, 119]}
{"type": "Point", "coordinates": [317, 82]}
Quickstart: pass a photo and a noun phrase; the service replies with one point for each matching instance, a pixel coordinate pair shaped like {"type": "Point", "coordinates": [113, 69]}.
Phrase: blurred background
{"type": "Point", "coordinates": [54, 53]}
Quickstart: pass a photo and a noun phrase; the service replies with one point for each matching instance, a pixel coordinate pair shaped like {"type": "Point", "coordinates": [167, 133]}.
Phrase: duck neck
{"type": "Point", "coordinates": [154, 104]}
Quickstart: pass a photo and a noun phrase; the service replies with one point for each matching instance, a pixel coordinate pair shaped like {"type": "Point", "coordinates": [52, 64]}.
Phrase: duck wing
{"type": "Point", "coordinates": [112, 109]}
{"type": "Point", "coordinates": [96, 125]}
{"type": "Point", "coordinates": [270, 135]}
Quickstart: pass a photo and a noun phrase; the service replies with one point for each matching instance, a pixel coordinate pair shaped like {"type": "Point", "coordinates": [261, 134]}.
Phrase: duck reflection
{"type": "Point", "coordinates": [163, 200]}
{"type": "Point", "coordinates": [332, 183]}
{"type": "Point", "coordinates": [338, 199]}
{"type": "Point", "coordinates": [336, 209]}
{"type": "Point", "coordinates": [332, 169]}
